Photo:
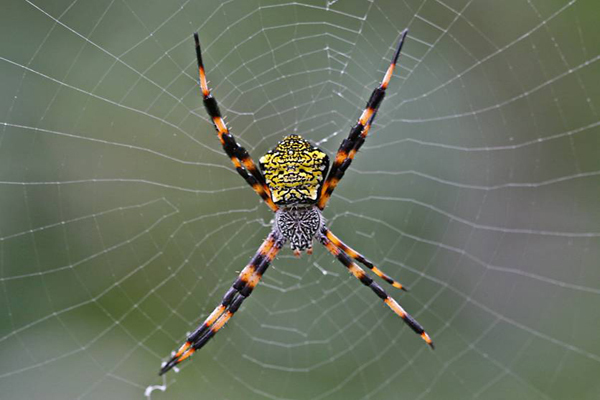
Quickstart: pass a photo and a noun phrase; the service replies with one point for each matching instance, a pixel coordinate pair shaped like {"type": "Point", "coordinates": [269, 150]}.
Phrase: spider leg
{"type": "Point", "coordinates": [239, 156]}
{"type": "Point", "coordinates": [358, 133]}
{"type": "Point", "coordinates": [239, 291]}
{"type": "Point", "coordinates": [361, 259]}
{"type": "Point", "coordinates": [360, 274]}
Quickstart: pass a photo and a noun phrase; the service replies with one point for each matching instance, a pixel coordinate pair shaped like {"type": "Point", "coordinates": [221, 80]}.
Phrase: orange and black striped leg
{"type": "Point", "coordinates": [241, 296]}
{"type": "Point", "coordinates": [361, 259]}
{"type": "Point", "coordinates": [239, 291]}
{"type": "Point", "coordinates": [239, 156]}
{"type": "Point", "coordinates": [360, 274]}
{"type": "Point", "coordinates": [358, 133]}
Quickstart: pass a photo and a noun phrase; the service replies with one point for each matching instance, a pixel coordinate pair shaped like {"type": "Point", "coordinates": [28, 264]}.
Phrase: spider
{"type": "Point", "coordinates": [294, 183]}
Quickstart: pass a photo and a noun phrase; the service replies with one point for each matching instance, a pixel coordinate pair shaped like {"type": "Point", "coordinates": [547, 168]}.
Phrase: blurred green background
{"type": "Point", "coordinates": [122, 223]}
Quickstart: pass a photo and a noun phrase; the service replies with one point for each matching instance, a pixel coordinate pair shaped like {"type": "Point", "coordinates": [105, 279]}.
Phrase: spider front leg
{"type": "Point", "coordinates": [358, 133]}
{"type": "Point", "coordinates": [239, 291]}
{"type": "Point", "coordinates": [239, 156]}
{"type": "Point", "coordinates": [361, 259]}
{"type": "Point", "coordinates": [360, 274]}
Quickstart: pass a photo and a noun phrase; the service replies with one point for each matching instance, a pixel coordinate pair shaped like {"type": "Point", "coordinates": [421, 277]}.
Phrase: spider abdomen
{"type": "Point", "coordinates": [294, 171]}
{"type": "Point", "coordinates": [299, 225]}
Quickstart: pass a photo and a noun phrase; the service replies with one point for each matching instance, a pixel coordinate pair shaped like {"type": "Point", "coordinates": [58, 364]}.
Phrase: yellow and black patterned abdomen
{"type": "Point", "coordinates": [294, 171]}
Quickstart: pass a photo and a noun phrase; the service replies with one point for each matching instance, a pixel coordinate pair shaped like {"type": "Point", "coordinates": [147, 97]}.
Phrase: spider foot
{"type": "Point", "coordinates": [427, 339]}
{"type": "Point", "coordinates": [168, 366]}
{"type": "Point", "coordinates": [184, 352]}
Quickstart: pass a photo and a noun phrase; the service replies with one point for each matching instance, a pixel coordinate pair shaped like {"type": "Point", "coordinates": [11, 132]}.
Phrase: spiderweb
{"type": "Point", "coordinates": [122, 222]}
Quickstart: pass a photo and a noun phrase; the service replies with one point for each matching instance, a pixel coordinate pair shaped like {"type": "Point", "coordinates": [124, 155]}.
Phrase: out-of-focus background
{"type": "Point", "coordinates": [122, 223]}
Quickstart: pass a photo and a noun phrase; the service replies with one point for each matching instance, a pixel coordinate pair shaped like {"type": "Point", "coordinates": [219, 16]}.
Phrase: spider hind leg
{"type": "Point", "coordinates": [359, 131]}
{"type": "Point", "coordinates": [239, 156]}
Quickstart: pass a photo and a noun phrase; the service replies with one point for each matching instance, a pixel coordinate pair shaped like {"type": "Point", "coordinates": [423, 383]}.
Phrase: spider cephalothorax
{"type": "Point", "coordinates": [294, 171]}
{"type": "Point", "coordinates": [299, 225]}
{"type": "Point", "coordinates": [295, 185]}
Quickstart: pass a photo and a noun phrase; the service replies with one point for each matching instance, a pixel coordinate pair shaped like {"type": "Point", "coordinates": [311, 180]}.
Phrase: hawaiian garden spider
{"type": "Point", "coordinates": [295, 185]}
